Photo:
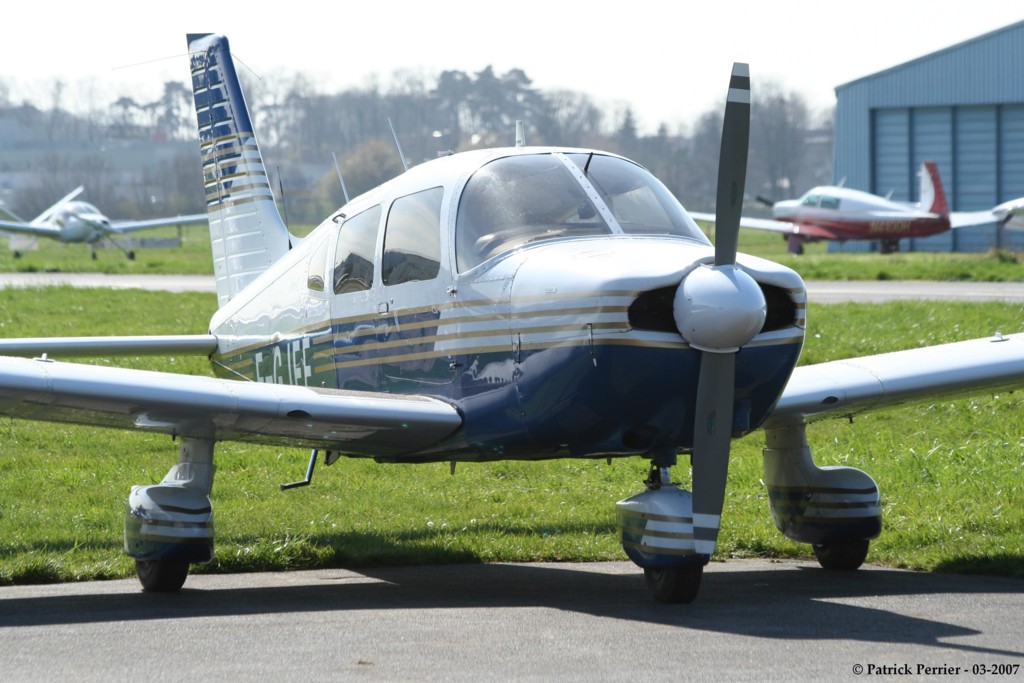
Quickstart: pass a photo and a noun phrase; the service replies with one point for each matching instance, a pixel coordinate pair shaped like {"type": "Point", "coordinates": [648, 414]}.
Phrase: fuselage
{"type": "Point", "coordinates": [79, 222]}
{"type": "Point", "coordinates": [843, 213]}
{"type": "Point", "coordinates": [531, 288]}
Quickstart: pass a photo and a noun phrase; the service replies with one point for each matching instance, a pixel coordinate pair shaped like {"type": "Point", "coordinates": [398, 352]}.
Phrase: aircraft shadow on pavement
{"type": "Point", "coordinates": [791, 603]}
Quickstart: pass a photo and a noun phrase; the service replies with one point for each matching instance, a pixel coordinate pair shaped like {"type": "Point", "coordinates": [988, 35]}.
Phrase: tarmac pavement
{"type": "Point", "coordinates": [755, 620]}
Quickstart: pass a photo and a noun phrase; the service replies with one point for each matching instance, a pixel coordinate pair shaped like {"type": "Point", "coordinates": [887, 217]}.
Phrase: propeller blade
{"type": "Point", "coordinates": [712, 434]}
{"type": "Point", "coordinates": [732, 165]}
{"type": "Point", "coordinates": [764, 200]}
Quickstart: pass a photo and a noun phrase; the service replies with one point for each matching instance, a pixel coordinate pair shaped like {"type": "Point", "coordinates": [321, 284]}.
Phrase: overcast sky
{"type": "Point", "coordinates": [669, 59]}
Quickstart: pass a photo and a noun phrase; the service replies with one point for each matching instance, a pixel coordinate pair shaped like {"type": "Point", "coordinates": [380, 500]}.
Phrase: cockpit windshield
{"type": "Point", "coordinates": [517, 200]}
{"type": "Point", "coordinates": [640, 203]}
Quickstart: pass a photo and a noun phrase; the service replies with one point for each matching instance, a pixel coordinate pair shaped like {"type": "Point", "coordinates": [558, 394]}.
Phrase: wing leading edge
{"type": "Point", "coordinates": [29, 229]}
{"type": "Point", "coordinates": [751, 222]}
{"type": "Point", "coordinates": [847, 387]}
{"type": "Point", "coordinates": [123, 226]}
{"type": "Point", "coordinates": [357, 423]}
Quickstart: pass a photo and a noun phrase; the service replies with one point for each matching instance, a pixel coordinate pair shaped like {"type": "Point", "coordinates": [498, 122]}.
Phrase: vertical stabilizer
{"type": "Point", "coordinates": [246, 230]}
{"type": "Point", "coordinates": [933, 197]}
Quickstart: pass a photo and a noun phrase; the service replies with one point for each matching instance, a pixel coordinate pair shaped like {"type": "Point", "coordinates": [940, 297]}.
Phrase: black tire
{"type": "Point", "coordinates": [674, 585]}
{"type": "Point", "coordinates": [160, 576]}
{"type": "Point", "coordinates": [844, 556]}
{"type": "Point", "coordinates": [131, 255]}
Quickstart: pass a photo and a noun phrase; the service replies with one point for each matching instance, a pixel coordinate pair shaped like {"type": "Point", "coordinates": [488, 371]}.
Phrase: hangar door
{"type": "Point", "coordinates": [979, 150]}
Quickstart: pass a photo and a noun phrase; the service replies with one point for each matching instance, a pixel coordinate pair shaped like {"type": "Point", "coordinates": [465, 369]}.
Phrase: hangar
{"type": "Point", "coordinates": [962, 107]}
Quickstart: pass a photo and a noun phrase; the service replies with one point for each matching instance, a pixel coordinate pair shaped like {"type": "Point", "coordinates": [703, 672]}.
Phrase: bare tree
{"type": "Point", "coordinates": [779, 122]}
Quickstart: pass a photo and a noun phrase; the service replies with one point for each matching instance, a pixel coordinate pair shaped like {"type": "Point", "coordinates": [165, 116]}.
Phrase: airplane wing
{"type": "Point", "coordinates": [8, 215]}
{"type": "Point", "coordinates": [969, 219]}
{"type": "Point", "coordinates": [1011, 213]}
{"type": "Point", "coordinates": [123, 226]}
{"type": "Point", "coordinates": [359, 423]}
{"type": "Point", "coordinates": [844, 388]}
{"type": "Point", "coordinates": [785, 227]}
{"type": "Point", "coordinates": [1008, 214]}
{"type": "Point", "coordinates": [29, 228]}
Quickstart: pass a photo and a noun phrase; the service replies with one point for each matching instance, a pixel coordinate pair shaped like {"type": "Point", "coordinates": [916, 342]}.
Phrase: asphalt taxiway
{"type": "Point", "coordinates": [754, 620]}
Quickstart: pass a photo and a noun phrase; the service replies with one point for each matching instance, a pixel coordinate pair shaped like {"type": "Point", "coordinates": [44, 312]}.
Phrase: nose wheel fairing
{"type": "Point", "coordinates": [656, 528]}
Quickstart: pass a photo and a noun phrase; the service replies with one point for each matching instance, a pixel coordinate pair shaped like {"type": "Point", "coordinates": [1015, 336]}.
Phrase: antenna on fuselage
{"type": "Point", "coordinates": [280, 187]}
{"type": "Point", "coordinates": [520, 135]}
{"type": "Point", "coordinates": [405, 167]}
{"type": "Point", "coordinates": [340, 179]}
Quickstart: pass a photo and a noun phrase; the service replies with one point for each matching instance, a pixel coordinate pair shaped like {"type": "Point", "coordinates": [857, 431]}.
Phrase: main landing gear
{"type": "Point", "coordinates": [128, 253]}
{"type": "Point", "coordinates": [169, 525]}
{"type": "Point", "coordinates": [161, 576]}
{"type": "Point", "coordinates": [844, 555]}
{"type": "Point", "coordinates": [835, 509]}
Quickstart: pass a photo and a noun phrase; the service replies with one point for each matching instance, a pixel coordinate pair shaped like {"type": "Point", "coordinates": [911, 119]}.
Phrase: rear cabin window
{"type": "Point", "coordinates": [412, 238]}
{"type": "Point", "coordinates": [353, 262]}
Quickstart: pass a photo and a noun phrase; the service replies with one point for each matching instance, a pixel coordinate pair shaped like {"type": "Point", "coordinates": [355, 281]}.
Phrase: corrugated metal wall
{"type": "Point", "coordinates": [962, 107]}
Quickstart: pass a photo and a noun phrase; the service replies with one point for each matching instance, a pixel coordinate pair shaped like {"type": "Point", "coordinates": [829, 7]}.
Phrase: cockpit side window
{"type": "Point", "coordinates": [412, 238]}
{"type": "Point", "coordinates": [641, 204]}
{"type": "Point", "coordinates": [353, 260]}
{"type": "Point", "coordinates": [517, 200]}
{"type": "Point", "coordinates": [829, 202]}
{"type": "Point", "coordinates": [811, 200]}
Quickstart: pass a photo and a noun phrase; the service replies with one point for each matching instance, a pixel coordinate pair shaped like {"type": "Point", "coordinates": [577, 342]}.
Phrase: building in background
{"type": "Point", "coordinates": [962, 107]}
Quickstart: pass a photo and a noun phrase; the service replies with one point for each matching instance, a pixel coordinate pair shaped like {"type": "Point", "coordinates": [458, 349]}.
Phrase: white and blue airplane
{"type": "Point", "coordinates": [516, 303]}
{"type": "Point", "coordinates": [74, 221]}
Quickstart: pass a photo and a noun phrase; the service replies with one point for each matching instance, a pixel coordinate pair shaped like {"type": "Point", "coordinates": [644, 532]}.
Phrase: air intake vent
{"type": "Point", "coordinates": [653, 310]}
{"type": "Point", "coordinates": [781, 310]}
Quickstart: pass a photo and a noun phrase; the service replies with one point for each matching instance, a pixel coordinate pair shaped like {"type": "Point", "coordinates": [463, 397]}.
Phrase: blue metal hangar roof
{"type": "Point", "coordinates": [962, 107]}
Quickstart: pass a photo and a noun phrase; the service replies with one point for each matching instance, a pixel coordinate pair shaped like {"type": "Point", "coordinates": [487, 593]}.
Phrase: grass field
{"type": "Point", "coordinates": [193, 257]}
{"type": "Point", "coordinates": [950, 472]}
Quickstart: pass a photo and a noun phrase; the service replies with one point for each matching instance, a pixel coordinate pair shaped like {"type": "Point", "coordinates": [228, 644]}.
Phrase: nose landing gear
{"type": "Point", "coordinates": [656, 531]}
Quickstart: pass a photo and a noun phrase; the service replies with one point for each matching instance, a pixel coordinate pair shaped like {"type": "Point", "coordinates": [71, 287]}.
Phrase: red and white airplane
{"type": "Point", "coordinates": [839, 213]}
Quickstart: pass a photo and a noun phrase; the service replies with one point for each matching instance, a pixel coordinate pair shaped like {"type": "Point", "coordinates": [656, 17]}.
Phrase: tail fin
{"type": "Point", "coordinates": [246, 230]}
{"type": "Point", "coordinates": [933, 197]}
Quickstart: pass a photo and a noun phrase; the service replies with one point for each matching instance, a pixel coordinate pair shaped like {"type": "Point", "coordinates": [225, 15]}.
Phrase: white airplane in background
{"type": "Point", "coordinates": [516, 303]}
{"type": "Point", "coordinates": [72, 221]}
{"type": "Point", "coordinates": [839, 213]}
